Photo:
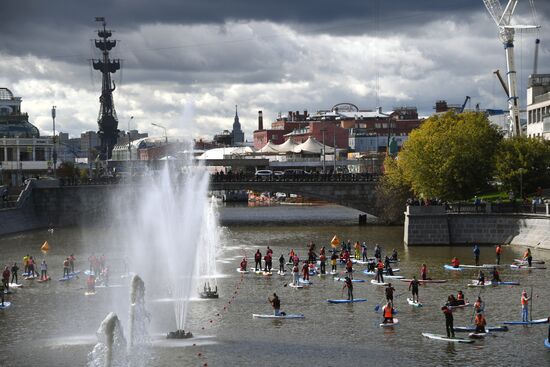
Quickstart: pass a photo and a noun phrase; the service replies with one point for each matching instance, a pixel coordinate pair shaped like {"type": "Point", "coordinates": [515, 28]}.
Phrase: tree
{"type": "Point", "coordinates": [451, 156]}
{"type": "Point", "coordinates": [392, 191]}
{"type": "Point", "coordinates": [523, 164]}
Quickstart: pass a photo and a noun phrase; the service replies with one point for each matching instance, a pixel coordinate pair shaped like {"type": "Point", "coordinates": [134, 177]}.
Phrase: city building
{"type": "Point", "coordinates": [23, 153]}
{"type": "Point", "coordinates": [89, 145]}
{"type": "Point", "coordinates": [234, 137]}
{"type": "Point", "coordinates": [538, 106]}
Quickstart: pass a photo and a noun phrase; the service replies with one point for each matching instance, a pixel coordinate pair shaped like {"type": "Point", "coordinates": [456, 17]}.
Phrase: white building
{"type": "Point", "coordinates": [538, 106]}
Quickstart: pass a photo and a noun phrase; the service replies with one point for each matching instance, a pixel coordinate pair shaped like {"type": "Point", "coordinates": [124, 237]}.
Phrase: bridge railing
{"type": "Point", "coordinates": [498, 208]}
{"type": "Point", "coordinates": [344, 177]}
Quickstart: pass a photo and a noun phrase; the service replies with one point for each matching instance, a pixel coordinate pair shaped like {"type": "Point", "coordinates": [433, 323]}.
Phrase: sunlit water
{"type": "Point", "coordinates": [54, 323]}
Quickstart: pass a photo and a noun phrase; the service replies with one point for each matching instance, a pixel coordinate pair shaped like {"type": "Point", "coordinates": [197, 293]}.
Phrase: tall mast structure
{"type": "Point", "coordinates": [503, 20]}
{"type": "Point", "coordinates": [107, 119]}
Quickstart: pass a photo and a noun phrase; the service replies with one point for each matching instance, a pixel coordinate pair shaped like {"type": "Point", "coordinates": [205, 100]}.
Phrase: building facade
{"type": "Point", "coordinates": [538, 106]}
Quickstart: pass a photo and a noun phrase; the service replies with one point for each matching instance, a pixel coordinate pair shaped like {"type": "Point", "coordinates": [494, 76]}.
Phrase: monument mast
{"type": "Point", "coordinates": [107, 119]}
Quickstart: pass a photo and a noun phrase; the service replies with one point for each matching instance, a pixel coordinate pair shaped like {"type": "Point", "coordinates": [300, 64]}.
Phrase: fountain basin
{"type": "Point", "coordinates": [179, 334]}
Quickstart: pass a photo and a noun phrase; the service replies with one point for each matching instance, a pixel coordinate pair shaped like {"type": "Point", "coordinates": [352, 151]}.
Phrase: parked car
{"type": "Point", "coordinates": [264, 174]}
{"type": "Point", "coordinates": [295, 172]}
{"type": "Point", "coordinates": [278, 173]}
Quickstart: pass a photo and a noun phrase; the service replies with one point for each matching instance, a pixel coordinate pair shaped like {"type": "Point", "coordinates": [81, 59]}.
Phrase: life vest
{"type": "Point", "coordinates": [388, 312]}
{"type": "Point", "coordinates": [524, 300]}
{"type": "Point", "coordinates": [380, 265]}
{"type": "Point", "coordinates": [258, 256]}
{"type": "Point", "coordinates": [498, 250]}
{"type": "Point", "coordinates": [349, 265]}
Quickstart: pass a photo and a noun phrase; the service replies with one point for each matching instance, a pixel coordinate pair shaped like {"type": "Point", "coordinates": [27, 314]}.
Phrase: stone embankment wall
{"type": "Point", "coordinates": [433, 226]}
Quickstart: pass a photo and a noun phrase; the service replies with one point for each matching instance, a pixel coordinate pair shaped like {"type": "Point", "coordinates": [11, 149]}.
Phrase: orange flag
{"type": "Point", "coordinates": [335, 242]}
{"type": "Point", "coordinates": [45, 247]}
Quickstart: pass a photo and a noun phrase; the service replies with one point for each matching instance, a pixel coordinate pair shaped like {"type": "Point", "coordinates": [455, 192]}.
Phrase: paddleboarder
{"type": "Point", "coordinates": [281, 264]}
{"type": "Point", "coordinates": [276, 303]}
{"type": "Point", "coordinates": [66, 268]}
{"type": "Point", "coordinates": [423, 272]}
{"type": "Point", "coordinates": [481, 278]}
{"type": "Point", "coordinates": [455, 263]}
{"type": "Point", "coordinates": [480, 323]}
{"type": "Point", "coordinates": [448, 312]}
{"type": "Point", "coordinates": [525, 306]}
{"type": "Point", "coordinates": [305, 271]}
{"type": "Point", "coordinates": [389, 294]}
{"type": "Point", "coordinates": [349, 268]}
{"type": "Point", "coordinates": [6, 277]}
{"type": "Point", "coordinates": [72, 259]}
{"type": "Point", "coordinates": [357, 248]}
{"type": "Point", "coordinates": [413, 286]}
{"type": "Point", "coordinates": [460, 298]}
{"type": "Point", "coordinates": [2, 290]}
{"type": "Point", "coordinates": [394, 255]}
{"type": "Point", "coordinates": [528, 257]}
{"type": "Point", "coordinates": [258, 260]}
{"type": "Point", "coordinates": [14, 270]}
{"type": "Point", "coordinates": [296, 275]}
{"type": "Point", "coordinates": [388, 313]}
{"type": "Point", "coordinates": [498, 251]}
{"type": "Point", "coordinates": [476, 252]}
{"type": "Point", "coordinates": [377, 252]}
{"type": "Point", "coordinates": [364, 252]}
{"type": "Point", "coordinates": [496, 275]}
{"type": "Point", "coordinates": [43, 270]}
{"type": "Point", "coordinates": [333, 260]}
{"type": "Point", "coordinates": [479, 306]}
{"type": "Point", "coordinates": [379, 274]}
{"type": "Point", "coordinates": [349, 284]}
{"type": "Point", "coordinates": [323, 260]}
{"type": "Point", "coordinates": [243, 264]}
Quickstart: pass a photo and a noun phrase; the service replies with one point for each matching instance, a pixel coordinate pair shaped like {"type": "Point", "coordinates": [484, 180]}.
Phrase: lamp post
{"type": "Point", "coordinates": [162, 127]}
{"type": "Point", "coordinates": [54, 155]}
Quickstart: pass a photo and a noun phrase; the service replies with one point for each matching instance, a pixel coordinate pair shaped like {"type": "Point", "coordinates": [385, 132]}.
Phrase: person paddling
{"type": "Point", "coordinates": [364, 252]}
{"type": "Point", "coordinates": [281, 264]}
{"type": "Point", "coordinates": [498, 251]}
{"type": "Point", "coordinates": [525, 306]}
{"type": "Point", "coordinates": [449, 320]}
{"type": "Point", "coordinates": [388, 313]}
{"type": "Point", "coordinates": [476, 252]}
{"type": "Point", "coordinates": [496, 276]}
{"type": "Point", "coordinates": [243, 264]}
{"type": "Point", "coordinates": [479, 306]}
{"type": "Point", "coordinates": [424, 272]}
{"type": "Point", "coordinates": [455, 263]}
{"type": "Point", "coordinates": [528, 257]}
{"type": "Point", "coordinates": [276, 303]}
{"type": "Point", "coordinates": [349, 269]}
{"type": "Point", "coordinates": [413, 286]}
{"type": "Point", "coordinates": [460, 298]}
{"type": "Point", "coordinates": [333, 261]}
{"type": "Point", "coordinates": [14, 270]}
{"type": "Point", "coordinates": [379, 274]}
{"type": "Point", "coordinates": [357, 248]}
{"type": "Point", "coordinates": [323, 260]}
{"type": "Point", "coordinates": [43, 270]}
{"type": "Point", "coordinates": [66, 268]}
{"type": "Point", "coordinates": [296, 275]}
{"type": "Point", "coordinates": [389, 294]}
{"type": "Point", "coordinates": [480, 323]}
{"type": "Point", "coordinates": [349, 284]}
{"type": "Point", "coordinates": [305, 271]}
{"type": "Point", "coordinates": [258, 260]}
{"type": "Point", "coordinates": [481, 278]}
{"type": "Point", "coordinates": [6, 277]}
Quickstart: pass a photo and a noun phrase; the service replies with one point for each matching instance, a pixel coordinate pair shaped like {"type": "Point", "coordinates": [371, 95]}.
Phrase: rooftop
{"type": "Point", "coordinates": [5, 94]}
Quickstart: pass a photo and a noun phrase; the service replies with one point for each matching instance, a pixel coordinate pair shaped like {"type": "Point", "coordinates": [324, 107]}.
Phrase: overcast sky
{"type": "Point", "coordinates": [186, 63]}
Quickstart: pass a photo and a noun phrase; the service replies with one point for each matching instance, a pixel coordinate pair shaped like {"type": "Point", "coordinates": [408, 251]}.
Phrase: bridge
{"type": "Point", "coordinates": [353, 191]}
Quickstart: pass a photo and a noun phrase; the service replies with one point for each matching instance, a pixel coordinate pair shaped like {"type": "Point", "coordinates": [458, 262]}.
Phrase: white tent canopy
{"type": "Point", "coordinates": [269, 148]}
{"type": "Point", "coordinates": [311, 145]}
{"type": "Point", "coordinates": [219, 153]}
{"type": "Point", "coordinates": [287, 146]}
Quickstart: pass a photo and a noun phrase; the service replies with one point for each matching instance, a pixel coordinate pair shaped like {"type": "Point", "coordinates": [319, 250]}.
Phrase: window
{"type": "Point", "coordinates": [2, 154]}
{"type": "Point", "coordinates": [40, 154]}
{"type": "Point", "coordinates": [10, 154]}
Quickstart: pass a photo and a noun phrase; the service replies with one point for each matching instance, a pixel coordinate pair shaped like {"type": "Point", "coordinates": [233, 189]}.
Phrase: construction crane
{"type": "Point", "coordinates": [503, 20]}
{"type": "Point", "coordinates": [464, 104]}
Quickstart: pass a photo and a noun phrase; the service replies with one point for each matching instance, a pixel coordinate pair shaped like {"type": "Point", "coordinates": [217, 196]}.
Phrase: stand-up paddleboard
{"type": "Point", "coordinates": [468, 266]}
{"type": "Point", "coordinates": [281, 272]}
{"type": "Point", "coordinates": [475, 283]}
{"type": "Point", "coordinates": [42, 280]}
{"type": "Point", "coordinates": [390, 324]}
{"type": "Point", "coordinates": [265, 273]}
{"type": "Point", "coordinates": [359, 262]}
{"type": "Point", "coordinates": [478, 335]}
{"type": "Point", "coordinates": [467, 329]}
{"type": "Point", "coordinates": [547, 343]}
{"type": "Point", "coordinates": [75, 272]}
{"type": "Point", "coordinates": [239, 270]}
{"type": "Point", "coordinates": [66, 278]}
{"type": "Point", "coordinates": [87, 293]}
{"type": "Point", "coordinates": [287, 316]}
{"type": "Point", "coordinates": [6, 305]}
{"type": "Point", "coordinates": [347, 300]}
{"type": "Point", "coordinates": [32, 277]}
{"type": "Point", "coordinates": [305, 282]}
{"type": "Point", "coordinates": [533, 322]}
{"type": "Point", "coordinates": [384, 273]}
{"type": "Point", "coordinates": [412, 303]}
{"type": "Point", "coordinates": [467, 304]}
{"type": "Point", "coordinates": [7, 291]}
{"type": "Point", "coordinates": [377, 283]}
{"type": "Point", "coordinates": [15, 285]}
{"type": "Point", "coordinates": [522, 261]}
{"type": "Point", "coordinates": [333, 273]}
{"type": "Point", "coordinates": [450, 267]}
{"type": "Point", "coordinates": [298, 286]}
{"type": "Point", "coordinates": [353, 280]}
{"type": "Point", "coordinates": [444, 338]}
{"type": "Point", "coordinates": [506, 283]}
{"type": "Point", "coordinates": [526, 267]}
{"type": "Point", "coordinates": [426, 281]}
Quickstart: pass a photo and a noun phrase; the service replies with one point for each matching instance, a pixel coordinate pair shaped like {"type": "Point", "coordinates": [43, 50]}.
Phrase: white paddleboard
{"type": "Point", "coordinates": [239, 270]}
{"type": "Point", "coordinates": [89, 293]}
{"type": "Point", "coordinates": [389, 324]}
{"type": "Point", "coordinates": [15, 285]}
{"type": "Point", "coordinates": [287, 316]}
{"type": "Point", "coordinates": [6, 305]}
{"type": "Point", "coordinates": [295, 286]}
{"type": "Point", "coordinates": [475, 283]}
{"type": "Point", "coordinates": [376, 283]}
{"type": "Point", "coordinates": [444, 338]}
{"type": "Point", "coordinates": [412, 303]}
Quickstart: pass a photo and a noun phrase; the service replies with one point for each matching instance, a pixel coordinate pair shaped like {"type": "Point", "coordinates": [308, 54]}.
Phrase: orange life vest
{"type": "Point", "coordinates": [524, 300]}
{"type": "Point", "coordinates": [388, 312]}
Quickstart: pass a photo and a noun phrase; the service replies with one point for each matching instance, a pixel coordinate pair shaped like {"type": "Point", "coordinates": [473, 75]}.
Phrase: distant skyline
{"type": "Point", "coordinates": [187, 63]}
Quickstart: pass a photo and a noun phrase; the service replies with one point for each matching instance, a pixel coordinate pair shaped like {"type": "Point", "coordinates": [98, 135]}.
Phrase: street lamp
{"type": "Point", "coordinates": [54, 155]}
{"type": "Point", "coordinates": [162, 127]}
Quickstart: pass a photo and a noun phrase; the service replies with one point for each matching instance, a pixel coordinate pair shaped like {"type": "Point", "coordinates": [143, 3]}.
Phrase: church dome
{"type": "Point", "coordinates": [5, 94]}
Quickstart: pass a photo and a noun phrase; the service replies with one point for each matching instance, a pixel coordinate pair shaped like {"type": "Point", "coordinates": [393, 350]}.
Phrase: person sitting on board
{"type": "Point", "coordinates": [333, 260]}
{"type": "Point", "coordinates": [394, 255]}
{"type": "Point", "coordinates": [481, 278]}
{"type": "Point", "coordinates": [323, 259]}
{"type": "Point", "coordinates": [460, 298]}
{"type": "Point", "coordinates": [66, 268]}
{"type": "Point", "coordinates": [90, 282]}
{"type": "Point", "coordinates": [496, 276]}
{"type": "Point", "coordinates": [258, 260]}
{"type": "Point", "coordinates": [296, 275]}
{"type": "Point", "coordinates": [276, 303]}
{"type": "Point", "coordinates": [389, 270]}
{"type": "Point", "coordinates": [524, 306]}
{"type": "Point", "coordinates": [349, 269]}
{"type": "Point", "coordinates": [379, 273]}
{"type": "Point", "coordinates": [528, 257]}
{"type": "Point", "coordinates": [305, 271]}
{"type": "Point", "coordinates": [44, 270]}
{"type": "Point", "coordinates": [371, 266]}
{"type": "Point", "coordinates": [364, 252]}
{"type": "Point", "coordinates": [389, 294]}
{"type": "Point", "coordinates": [479, 306]}
{"type": "Point", "coordinates": [281, 264]}
{"type": "Point", "coordinates": [413, 286]}
{"type": "Point", "coordinates": [424, 272]}
{"type": "Point", "coordinates": [449, 320]}
{"type": "Point", "coordinates": [387, 311]}
{"type": "Point", "coordinates": [480, 323]}
{"type": "Point", "coordinates": [243, 264]}
{"type": "Point", "coordinates": [476, 252]}
{"type": "Point", "coordinates": [348, 284]}
{"type": "Point", "coordinates": [14, 270]}
{"type": "Point", "coordinates": [455, 263]}
{"type": "Point", "coordinates": [452, 301]}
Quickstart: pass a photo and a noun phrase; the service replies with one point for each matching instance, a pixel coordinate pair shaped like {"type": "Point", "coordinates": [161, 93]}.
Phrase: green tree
{"type": "Point", "coordinates": [392, 191]}
{"type": "Point", "coordinates": [523, 164]}
{"type": "Point", "coordinates": [451, 156]}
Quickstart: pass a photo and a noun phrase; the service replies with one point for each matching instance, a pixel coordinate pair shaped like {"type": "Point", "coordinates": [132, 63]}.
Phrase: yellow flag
{"type": "Point", "coordinates": [335, 242]}
{"type": "Point", "coordinates": [45, 247]}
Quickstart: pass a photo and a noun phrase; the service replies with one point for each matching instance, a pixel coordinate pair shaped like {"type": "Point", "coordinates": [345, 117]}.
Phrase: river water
{"type": "Point", "coordinates": [54, 323]}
